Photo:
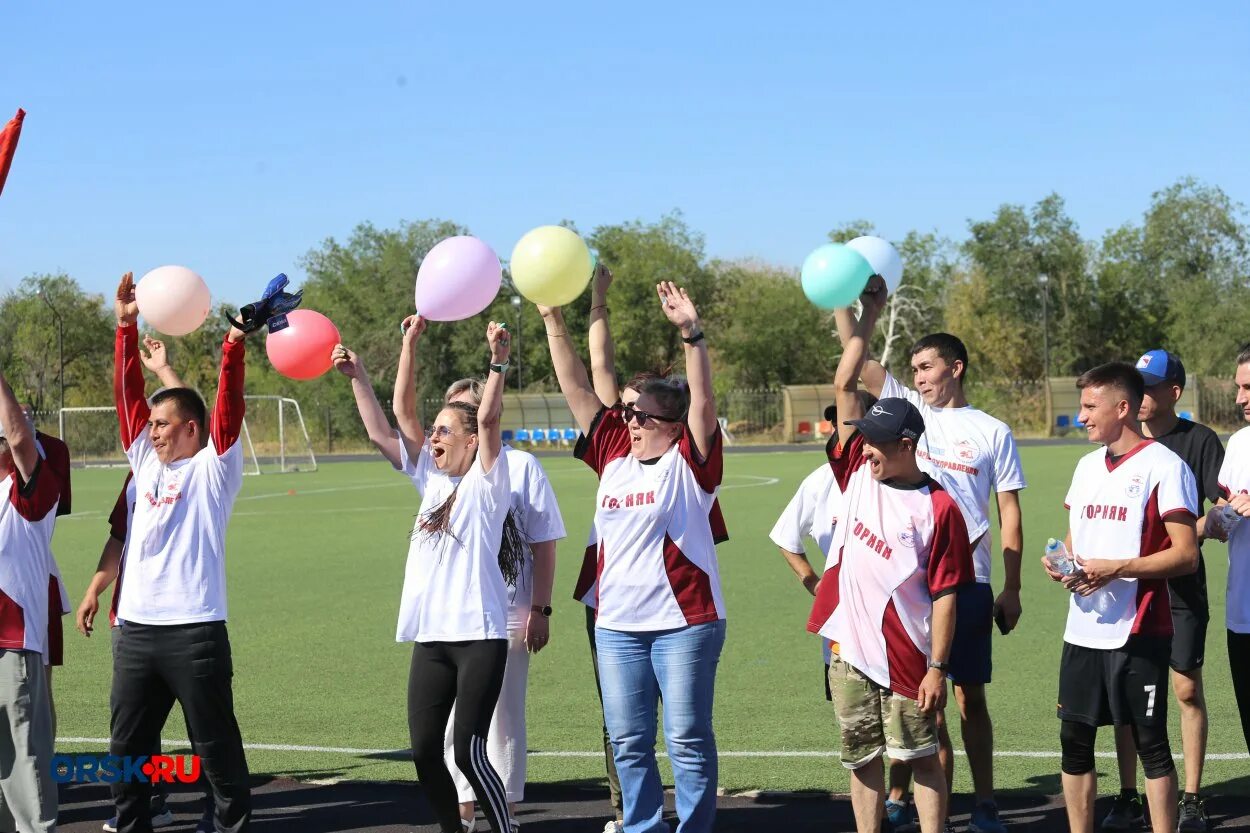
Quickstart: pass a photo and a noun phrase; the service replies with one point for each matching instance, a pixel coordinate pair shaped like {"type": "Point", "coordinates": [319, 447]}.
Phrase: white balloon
{"type": "Point", "coordinates": [173, 300]}
{"type": "Point", "coordinates": [883, 258]}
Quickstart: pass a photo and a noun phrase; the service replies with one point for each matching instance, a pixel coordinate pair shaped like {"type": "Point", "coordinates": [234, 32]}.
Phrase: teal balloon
{"type": "Point", "coordinates": [834, 275]}
{"type": "Point", "coordinates": [594, 263]}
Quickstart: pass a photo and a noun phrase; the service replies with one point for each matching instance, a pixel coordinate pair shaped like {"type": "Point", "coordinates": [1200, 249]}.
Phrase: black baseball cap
{"type": "Point", "coordinates": [890, 419]}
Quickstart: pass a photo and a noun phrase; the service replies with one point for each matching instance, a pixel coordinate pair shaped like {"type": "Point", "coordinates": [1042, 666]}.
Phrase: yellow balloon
{"type": "Point", "coordinates": [550, 266]}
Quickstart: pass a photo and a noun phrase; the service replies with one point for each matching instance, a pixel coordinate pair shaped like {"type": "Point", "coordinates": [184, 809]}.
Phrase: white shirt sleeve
{"type": "Point", "coordinates": [1008, 473]}
{"type": "Point", "coordinates": [418, 470]}
{"type": "Point", "coordinates": [796, 519]}
{"type": "Point", "coordinates": [539, 515]}
{"type": "Point", "coordinates": [1178, 490]}
{"type": "Point", "coordinates": [893, 387]}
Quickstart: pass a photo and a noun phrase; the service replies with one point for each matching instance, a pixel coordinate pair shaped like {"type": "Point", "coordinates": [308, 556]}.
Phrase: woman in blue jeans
{"type": "Point", "coordinates": [661, 616]}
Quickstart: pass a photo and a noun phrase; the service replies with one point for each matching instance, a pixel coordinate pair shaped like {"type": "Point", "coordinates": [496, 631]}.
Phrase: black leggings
{"type": "Point", "coordinates": [1239, 665]}
{"type": "Point", "coordinates": [469, 675]}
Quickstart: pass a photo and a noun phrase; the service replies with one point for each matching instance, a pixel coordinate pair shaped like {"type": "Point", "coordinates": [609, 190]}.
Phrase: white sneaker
{"type": "Point", "coordinates": [614, 826]}
{"type": "Point", "coordinates": [468, 826]}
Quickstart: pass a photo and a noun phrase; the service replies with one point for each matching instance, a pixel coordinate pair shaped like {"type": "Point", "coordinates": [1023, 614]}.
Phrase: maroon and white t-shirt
{"type": "Point", "coordinates": [27, 516]}
{"type": "Point", "coordinates": [656, 561]}
{"type": "Point", "coordinates": [1116, 509]}
{"type": "Point", "coordinates": [895, 550]}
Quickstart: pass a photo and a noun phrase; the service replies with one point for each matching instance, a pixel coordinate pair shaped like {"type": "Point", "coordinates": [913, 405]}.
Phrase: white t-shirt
{"type": "Point", "coordinates": [1117, 510]}
{"type": "Point", "coordinates": [27, 518]}
{"type": "Point", "coordinates": [537, 516]}
{"type": "Point", "coordinates": [176, 550]}
{"type": "Point", "coordinates": [813, 511]}
{"type": "Point", "coordinates": [657, 567]}
{"type": "Point", "coordinates": [454, 590]}
{"type": "Point", "coordinates": [1235, 480]}
{"type": "Point", "coordinates": [972, 455]}
{"type": "Point", "coordinates": [895, 551]}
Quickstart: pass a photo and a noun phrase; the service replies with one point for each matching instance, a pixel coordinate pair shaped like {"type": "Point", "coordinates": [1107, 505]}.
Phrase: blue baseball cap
{"type": "Point", "coordinates": [890, 419]}
{"type": "Point", "coordinates": [1158, 366]}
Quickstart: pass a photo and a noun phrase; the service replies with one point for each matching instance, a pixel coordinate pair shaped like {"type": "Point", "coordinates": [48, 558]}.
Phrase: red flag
{"type": "Point", "coordinates": [8, 144]}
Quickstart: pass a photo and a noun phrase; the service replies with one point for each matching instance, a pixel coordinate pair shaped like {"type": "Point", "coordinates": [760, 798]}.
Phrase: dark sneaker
{"type": "Point", "coordinates": [1192, 815]}
{"type": "Point", "coordinates": [899, 817]}
{"type": "Point", "coordinates": [161, 815]}
{"type": "Point", "coordinates": [985, 819]}
{"type": "Point", "coordinates": [1126, 814]}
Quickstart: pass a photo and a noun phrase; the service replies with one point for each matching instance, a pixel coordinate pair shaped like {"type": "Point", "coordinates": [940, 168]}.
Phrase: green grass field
{"type": "Point", "coordinates": [316, 564]}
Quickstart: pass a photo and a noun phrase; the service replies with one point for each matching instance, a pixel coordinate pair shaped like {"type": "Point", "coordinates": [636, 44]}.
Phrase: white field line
{"type": "Point", "coordinates": [343, 750]}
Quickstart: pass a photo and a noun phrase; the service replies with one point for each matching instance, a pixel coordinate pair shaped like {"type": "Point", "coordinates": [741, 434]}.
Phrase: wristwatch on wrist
{"type": "Point", "coordinates": [499, 368]}
{"type": "Point", "coordinates": [941, 666]}
{"type": "Point", "coordinates": [545, 610]}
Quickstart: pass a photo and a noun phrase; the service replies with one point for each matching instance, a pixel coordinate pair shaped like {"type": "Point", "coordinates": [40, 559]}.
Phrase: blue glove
{"type": "Point", "coordinates": [273, 302]}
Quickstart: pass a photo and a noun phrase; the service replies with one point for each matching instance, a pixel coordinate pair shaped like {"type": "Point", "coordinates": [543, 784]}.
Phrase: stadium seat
{"type": "Point", "coordinates": [553, 435]}
{"type": "Point", "coordinates": [1062, 421]}
{"type": "Point", "coordinates": [570, 435]}
{"type": "Point", "coordinates": [804, 428]}
{"type": "Point", "coordinates": [507, 435]}
{"type": "Point", "coordinates": [522, 436]}
{"type": "Point", "coordinates": [539, 435]}
{"type": "Point", "coordinates": [1186, 415]}
{"type": "Point", "coordinates": [825, 428]}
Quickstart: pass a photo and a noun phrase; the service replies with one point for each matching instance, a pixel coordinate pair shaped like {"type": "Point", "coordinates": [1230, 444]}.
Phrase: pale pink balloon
{"type": "Point", "coordinates": [173, 300]}
{"type": "Point", "coordinates": [458, 278]}
{"type": "Point", "coordinates": [302, 350]}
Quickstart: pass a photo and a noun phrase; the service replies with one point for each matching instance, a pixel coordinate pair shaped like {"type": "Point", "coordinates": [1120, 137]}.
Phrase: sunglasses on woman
{"type": "Point", "coordinates": [629, 412]}
{"type": "Point", "coordinates": [442, 432]}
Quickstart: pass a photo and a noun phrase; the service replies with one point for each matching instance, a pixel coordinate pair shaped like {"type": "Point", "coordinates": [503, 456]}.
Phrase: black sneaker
{"type": "Point", "coordinates": [1192, 815]}
{"type": "Point", "coordinates": [1126, 814]}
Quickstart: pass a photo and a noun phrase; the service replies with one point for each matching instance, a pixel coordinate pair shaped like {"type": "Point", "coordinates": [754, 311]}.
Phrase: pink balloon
{"type": "Point", "coordinates": [458, 279]}
{"type": "Point", "coordinates": [302, 350]}
{"type": "Point", "coordinates": [173, 299]}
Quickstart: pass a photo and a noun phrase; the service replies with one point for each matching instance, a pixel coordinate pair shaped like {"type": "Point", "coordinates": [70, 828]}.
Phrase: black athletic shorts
{"type": "Point", "coordinates": [972, 649]}
{"type": "Point", "coordinates": [1190, 640]}
{"type": "Point", "coordinates": [1121, 686]}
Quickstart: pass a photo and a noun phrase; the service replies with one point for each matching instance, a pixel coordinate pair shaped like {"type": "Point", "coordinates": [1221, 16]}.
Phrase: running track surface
{"type": "Point", "coordinates": [284, 806]}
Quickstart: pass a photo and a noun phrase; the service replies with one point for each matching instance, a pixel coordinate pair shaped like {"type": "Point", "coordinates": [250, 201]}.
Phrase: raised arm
{"type": "Point", "coordinates": [602, 350]}
{"type": "Point", "coordinates": [128, 393]}
{"type": "Point", "coordinates": [227, 421]}
{"type": "Point", "coordinates": [570, 372]}
{"type": "Point", "coordinates": [18, 432]}
{"type": "Point", "coordinates": [854, 354]}
{"type": "Point", "coordinates": [873, 372]}
{"type": "Point", "coordinates": [488, 439]}
{"type": "Point", "coordinates": [681, 312]}
{"type": "Point", "coordinates": [156, 359]}
{"type": "Point", "coordinates": [383, 437]}
{"type": "Point", "coordinates": [404, 402]}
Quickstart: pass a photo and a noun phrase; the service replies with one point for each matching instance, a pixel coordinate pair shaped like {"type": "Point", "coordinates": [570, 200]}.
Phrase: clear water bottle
{"type": "Point", "coordinates": [1058, 557]}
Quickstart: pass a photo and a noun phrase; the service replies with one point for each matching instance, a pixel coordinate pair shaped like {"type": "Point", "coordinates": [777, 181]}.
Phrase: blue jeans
{"type": "Point", "coordinates": [635, 670]}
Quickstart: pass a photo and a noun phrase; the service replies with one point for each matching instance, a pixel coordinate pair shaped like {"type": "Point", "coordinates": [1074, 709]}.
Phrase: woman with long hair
{"type": "Point", "coordinates": [660, 624]}
{"type": "Point", "coordinates": [462, 555]}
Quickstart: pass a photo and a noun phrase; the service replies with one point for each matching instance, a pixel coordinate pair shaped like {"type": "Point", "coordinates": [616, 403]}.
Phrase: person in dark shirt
{"type": "Point", "coordinates": [1200, 448]}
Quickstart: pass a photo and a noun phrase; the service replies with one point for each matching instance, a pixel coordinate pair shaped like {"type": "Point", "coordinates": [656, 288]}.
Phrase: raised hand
{"type": "Point", "coordinates": [412, 327]}
{"type": "Point", "coordinates": [125, 306]}
{"type": "Point", "coordinates": [347, 362]}
{"type": "Point", "coordinates": [155, 359]}
{"type": "Point", "coordinates": [874, 296]}
{"type": "Point", "coordinates": [601, 281]}
{"type": "Point", "coordinates": [678, 307]}
{"type": "Point", "coordinates": [500, 341]}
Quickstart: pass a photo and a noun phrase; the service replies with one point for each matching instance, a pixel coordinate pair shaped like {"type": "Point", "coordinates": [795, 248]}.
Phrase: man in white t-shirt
{"type": "Point", "coordinates": [173, 644]}
{"type": "Point", "coordinates": [974, 457]}
{"type": "Point", "coordinates": [1132, 509]}
{"type": "Point", "coordinates": [887, 597]}
{"type": "Point", "coordinates": [1235, 484]}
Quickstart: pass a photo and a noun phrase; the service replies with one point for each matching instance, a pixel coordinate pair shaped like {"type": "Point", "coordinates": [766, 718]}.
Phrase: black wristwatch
{"type": "Point", "coordinates": [941, 666]}
{"type": "Point", "coordinates": [694, 339]}
{"type": "Point", "coordinates": [545, 610]}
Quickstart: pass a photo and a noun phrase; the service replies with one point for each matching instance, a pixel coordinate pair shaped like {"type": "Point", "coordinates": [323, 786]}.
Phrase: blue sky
{"type": "Point", "coordinates": [232, 137]}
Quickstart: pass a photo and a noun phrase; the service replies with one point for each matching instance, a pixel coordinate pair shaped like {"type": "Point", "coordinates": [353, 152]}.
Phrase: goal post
{"type": "Point", "coordinates": [275, 437]}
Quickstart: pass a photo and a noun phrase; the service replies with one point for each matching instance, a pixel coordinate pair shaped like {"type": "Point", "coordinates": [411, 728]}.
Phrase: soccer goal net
{"type": "Point", "coordinates": [275, 438]}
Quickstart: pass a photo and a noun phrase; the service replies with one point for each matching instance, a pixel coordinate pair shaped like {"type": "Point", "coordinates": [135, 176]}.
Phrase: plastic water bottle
{"type": "Point", "coordinates": [1058, 557]}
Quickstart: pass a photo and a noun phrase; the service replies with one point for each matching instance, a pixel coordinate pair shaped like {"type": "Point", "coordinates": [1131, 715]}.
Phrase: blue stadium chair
{"type": "Point", "coordinates": [507, 435]}
{"type": "Point", "coordinates": [553, 435]}
{"type": "Point", "coordinates": [570, 435]}
{"type": "Point", "coordinates": [1186, 415]}
{"type": "Point", "coordinates": [1062, 421]}
{"type": "Point", "coordinates": [539, 435]}
{"type": "Point", "coordinates": [522, 436]}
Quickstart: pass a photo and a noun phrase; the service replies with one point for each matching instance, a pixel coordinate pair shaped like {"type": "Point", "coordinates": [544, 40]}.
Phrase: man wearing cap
{"type": "Point", "coordinates": [899, 552]}
{"type": "Point", "coordinates": [1164, 377]}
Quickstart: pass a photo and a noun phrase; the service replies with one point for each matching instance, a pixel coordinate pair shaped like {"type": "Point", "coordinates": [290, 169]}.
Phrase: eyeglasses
{"type": "Point", "coordinates": [629, 412]}
{"type": "Point", "coordinates": [439, 432]}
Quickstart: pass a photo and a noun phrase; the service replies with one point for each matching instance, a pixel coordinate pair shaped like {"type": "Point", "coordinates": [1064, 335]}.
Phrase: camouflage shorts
{"type": "Point", "coordinates": [874, 719]}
